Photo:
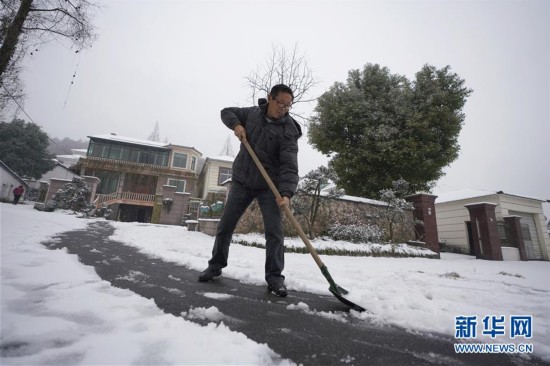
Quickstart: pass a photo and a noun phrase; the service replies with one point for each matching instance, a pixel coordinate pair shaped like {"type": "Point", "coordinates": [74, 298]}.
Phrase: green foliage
{"type": "Point", "coordinates": [380, 127]}
{"type": "Point", "coordinates": [23, 147]}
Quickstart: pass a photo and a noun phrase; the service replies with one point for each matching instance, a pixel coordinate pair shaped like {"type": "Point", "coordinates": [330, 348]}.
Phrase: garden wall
{"type": "Point", "coordinates": [332, 210]}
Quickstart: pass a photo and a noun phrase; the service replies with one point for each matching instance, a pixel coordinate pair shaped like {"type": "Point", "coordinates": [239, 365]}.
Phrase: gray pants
{"type": "Point", "coordinates": [238, 200]}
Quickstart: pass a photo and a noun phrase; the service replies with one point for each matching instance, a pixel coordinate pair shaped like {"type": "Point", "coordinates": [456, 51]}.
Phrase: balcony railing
{"type": "Point", "coordinates": [124, 197]}
{"type": "Point", "coordinates": [124, 162]}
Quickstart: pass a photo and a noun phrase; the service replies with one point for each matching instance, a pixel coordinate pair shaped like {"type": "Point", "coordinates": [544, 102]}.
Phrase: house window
{"type": "Point", "coordinates": [115, 152]}
{"type": "Point", "coordinates": [223, 175]}
{"type": "Point", "coordinates": [193, 163]}
{"type": "Point", "coordinates": [180, 160]}
{"type": "Point", "coordinates": [139, 183]}
{"type": "Point", "coordinates": [108, 181]}
{"type": "Point", "coordinates": [177, 183]}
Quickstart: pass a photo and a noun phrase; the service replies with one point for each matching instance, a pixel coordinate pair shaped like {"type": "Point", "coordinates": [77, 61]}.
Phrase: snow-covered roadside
{"type": "Point", "coordinates": [418, 294]}
{"type": "Point", "coordinates": [54, 310]}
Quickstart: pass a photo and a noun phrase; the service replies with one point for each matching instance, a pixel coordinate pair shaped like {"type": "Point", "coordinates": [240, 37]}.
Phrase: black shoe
{"type": "Point", "coordinates": [278, 289]}
{"type": "Point", "coordinates": [208, 274]}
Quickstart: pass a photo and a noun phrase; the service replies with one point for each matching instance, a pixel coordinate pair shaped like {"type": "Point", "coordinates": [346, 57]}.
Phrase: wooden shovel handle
{"type": "Point", "coordinates": [288, 213]}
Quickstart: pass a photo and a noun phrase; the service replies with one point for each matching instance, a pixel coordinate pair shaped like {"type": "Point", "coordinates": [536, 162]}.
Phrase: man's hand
{"type": "Point", "coordinates": [283, 202]}
{"type": "Point", "coordinates": [240, 132]}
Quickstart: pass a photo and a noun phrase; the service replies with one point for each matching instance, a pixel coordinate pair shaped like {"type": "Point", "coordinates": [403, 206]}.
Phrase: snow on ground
{"type": "Point", "coordinates": [54, 310]}
{"type": "Point", "coordinates": [83, 319]}
{"type": "Point", "coordinates": [418, 294]}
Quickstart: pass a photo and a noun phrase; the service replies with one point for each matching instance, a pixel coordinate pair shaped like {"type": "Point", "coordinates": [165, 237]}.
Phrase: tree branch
{"type": "Point", "coordinates": [60, 10]}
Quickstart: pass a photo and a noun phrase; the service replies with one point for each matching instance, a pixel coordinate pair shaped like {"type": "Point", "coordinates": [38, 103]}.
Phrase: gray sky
{"type": "Point", "coordinates": [180, 62]}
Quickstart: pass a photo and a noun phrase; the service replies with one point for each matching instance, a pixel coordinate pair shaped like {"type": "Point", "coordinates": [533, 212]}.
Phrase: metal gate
{"type": "Point", "coordinates": [530, 235]}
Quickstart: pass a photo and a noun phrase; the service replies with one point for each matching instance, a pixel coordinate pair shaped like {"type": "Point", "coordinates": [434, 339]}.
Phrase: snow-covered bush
{"type": "Point", "coordinates": [72, 196]}
{"type": "Point", "coordinates": [354, 229]}
{"type": "Point", "coordinates": [92, 211]}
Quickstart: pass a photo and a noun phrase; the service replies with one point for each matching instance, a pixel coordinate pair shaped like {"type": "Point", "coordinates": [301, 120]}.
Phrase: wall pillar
{"type": "Point", "coordinates": [92, 183]}
{"type": "Point", "coordinates": [516, 237]}
{"type": "Point", "coordinates": [180, 204]}
{"type": "Point", "coordinates": [484, 231]}
{"type": "Point", "coordinates": [424, 210]}
{"type": "Point", "coordinates": [55, 185]}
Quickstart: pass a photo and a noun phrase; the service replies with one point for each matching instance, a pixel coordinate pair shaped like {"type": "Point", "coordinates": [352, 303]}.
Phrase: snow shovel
{"type": "Point", "coordinates": [336, 290]}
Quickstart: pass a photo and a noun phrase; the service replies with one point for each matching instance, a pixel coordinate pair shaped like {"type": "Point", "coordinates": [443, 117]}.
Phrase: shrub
{"type": "Point", "coordinates": [72, 196]}
{"type": "Point", "coordinates": [353, 229]}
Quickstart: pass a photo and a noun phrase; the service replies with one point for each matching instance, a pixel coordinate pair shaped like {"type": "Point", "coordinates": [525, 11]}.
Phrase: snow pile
{"type": "Point", "coordinates": [330, 246]}
{"type": "Point", "coordinates": [217, 296]}
{"type": "Point", "coordinates": [212, 314]}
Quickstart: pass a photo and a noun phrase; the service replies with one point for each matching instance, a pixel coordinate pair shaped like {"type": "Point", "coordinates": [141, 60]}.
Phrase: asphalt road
{"type": "Point", "coordinates": [306, 338]}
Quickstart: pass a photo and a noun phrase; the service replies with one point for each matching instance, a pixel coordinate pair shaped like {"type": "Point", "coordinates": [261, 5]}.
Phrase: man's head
{"type": "Point", "coordinates": [279, 101]}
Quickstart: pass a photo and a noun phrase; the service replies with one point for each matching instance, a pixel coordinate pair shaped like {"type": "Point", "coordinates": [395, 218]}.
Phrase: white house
{"type": "Point", "coordinates": [59, 171]}
{"type": "Point", "coordinates": [9, 180]}
{"type": "Point", "coordinates": [482, 223]}
{"type": "Point", "coordinates": [215, 171]}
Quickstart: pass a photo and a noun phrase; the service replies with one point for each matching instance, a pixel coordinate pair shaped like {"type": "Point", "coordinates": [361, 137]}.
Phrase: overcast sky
{"type": "Point", "coordinates": [181, 62]}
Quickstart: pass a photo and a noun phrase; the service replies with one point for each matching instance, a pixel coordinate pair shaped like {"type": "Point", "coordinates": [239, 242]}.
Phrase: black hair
{"type": "Point", "coordinates": [281, 88]}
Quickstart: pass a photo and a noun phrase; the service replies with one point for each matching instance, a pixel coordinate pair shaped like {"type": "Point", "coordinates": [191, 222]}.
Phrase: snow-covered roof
{"type": "Point", "coordinates": [362, 200]}
{"type": "Point", "coordinates": [462, 194]}
{"type": "Point", "coordinates": [467, 193]}
{"type": "Point", "coordinates": [135, 141]}
{"type": "Point", "coordinates": [75, 157]}
{"type": "Point", "coordinates": [325, 191]}
{"type": "Point", "coordinates": [131, 140]}
{"type": "Point", "coordinates": [79, 152]}
{"type": "Point", "coordinates": [61, 164]}
{"type": "Point", "coordinates": [225, 158]}
{"type": "Point", "coordinates": [12, 173]}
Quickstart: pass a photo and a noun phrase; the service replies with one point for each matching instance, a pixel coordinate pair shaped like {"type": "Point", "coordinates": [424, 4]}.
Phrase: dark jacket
{"type": "Point", "coordinates": [275, 143]}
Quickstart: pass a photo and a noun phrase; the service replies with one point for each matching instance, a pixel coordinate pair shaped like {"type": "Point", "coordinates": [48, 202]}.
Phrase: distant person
{"type": "Point", "coordinates": [17, 193]}
{"type": "Point", "coordinates": [273, 134]}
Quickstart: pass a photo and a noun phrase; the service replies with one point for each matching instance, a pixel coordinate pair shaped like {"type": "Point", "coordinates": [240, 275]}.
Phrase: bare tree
{"type": "Point", "coordinates": [309, 200]}
{"type": "Point", "coordinates": [11, 89]}
{"type": "Point", "coordinates": [26, 24]}
{"type": "Point", "coordinates": [283, 67]}
{"type": "Point", "coordinates": [155, 135]}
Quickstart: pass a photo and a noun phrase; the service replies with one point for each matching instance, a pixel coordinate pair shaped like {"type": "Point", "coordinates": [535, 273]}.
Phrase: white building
{"type": "Point", "coordinates": [9, 180]}
{"type": "Point", "coordinates": [458, 232]}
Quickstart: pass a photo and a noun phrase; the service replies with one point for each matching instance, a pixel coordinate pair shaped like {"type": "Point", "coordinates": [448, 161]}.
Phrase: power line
{"type": "Point", "coordinates": [26, 114]}
{"type": "Point", "coordinates": [72, 81]}
{"type": "Point", "coordinates": [16, 102]}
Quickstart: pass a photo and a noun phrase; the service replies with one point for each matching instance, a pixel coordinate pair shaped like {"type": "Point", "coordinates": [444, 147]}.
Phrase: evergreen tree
{"type": "Point", "coordinates": [379, 127]}
{"type": "Point", "coordinates": [23, 147]}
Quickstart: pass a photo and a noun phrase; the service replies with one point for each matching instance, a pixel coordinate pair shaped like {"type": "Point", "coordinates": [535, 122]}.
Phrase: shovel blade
{"type": "Point", "coordinates": [338, 291]}
{"type": "Point", "coordinates": [340, 297]}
